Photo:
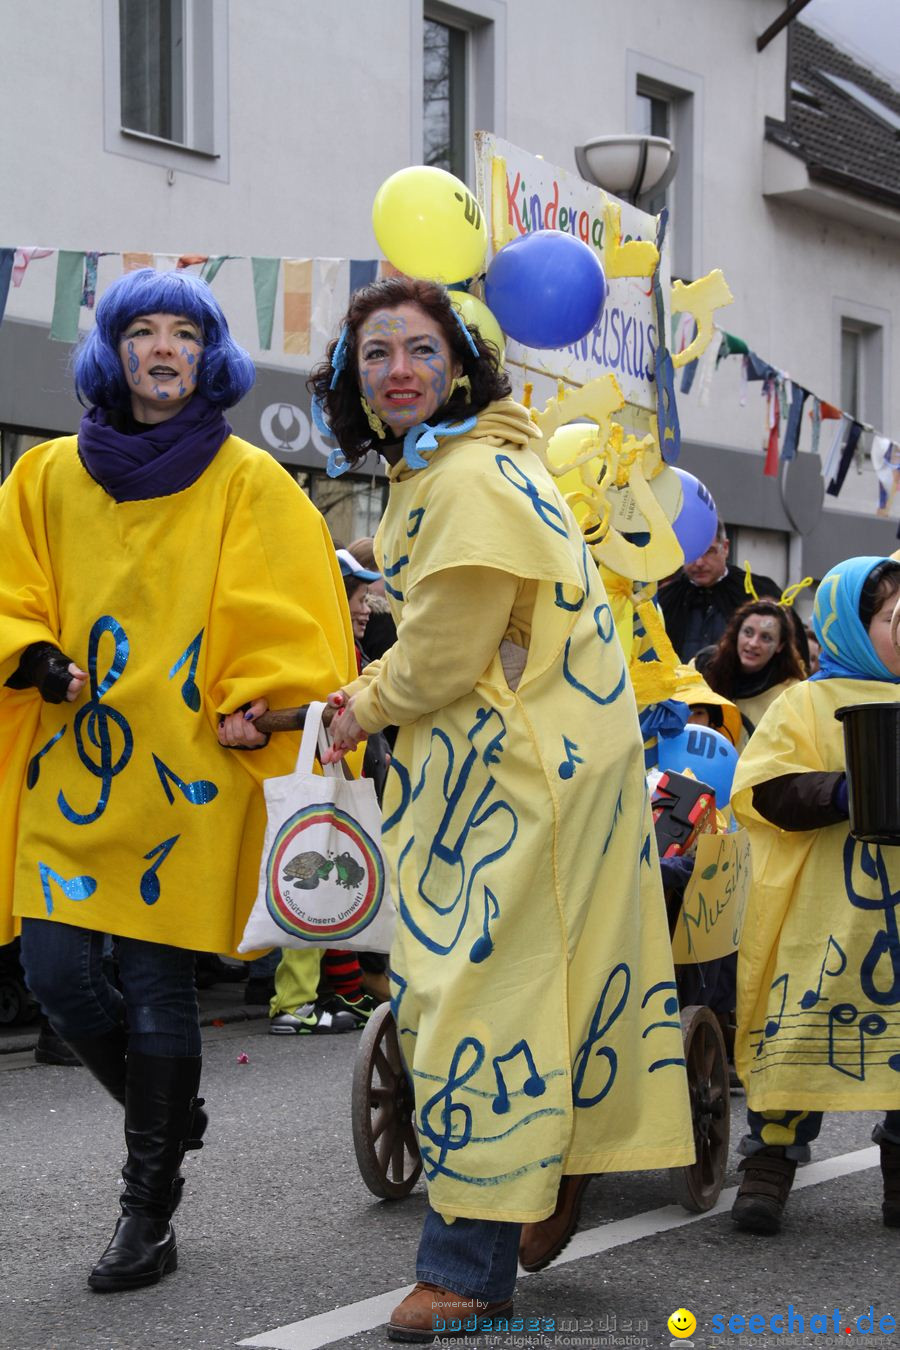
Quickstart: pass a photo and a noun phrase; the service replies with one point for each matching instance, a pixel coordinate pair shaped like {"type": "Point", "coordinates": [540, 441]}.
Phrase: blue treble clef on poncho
{"type": "Point", "coordinates": [96, 716]}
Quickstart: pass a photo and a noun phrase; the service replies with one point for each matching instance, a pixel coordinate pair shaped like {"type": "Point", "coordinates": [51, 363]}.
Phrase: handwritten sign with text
{"type": "Point", "coordinates": [531, 194]}
{"type": "Point", "coordinates": [712, 913]}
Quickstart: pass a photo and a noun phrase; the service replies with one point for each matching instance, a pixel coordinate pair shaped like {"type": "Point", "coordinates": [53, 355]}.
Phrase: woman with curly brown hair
{"type": "Point", "coordinates": [532, 945]}
{"type": "Point", "coordinates": [756, 658]}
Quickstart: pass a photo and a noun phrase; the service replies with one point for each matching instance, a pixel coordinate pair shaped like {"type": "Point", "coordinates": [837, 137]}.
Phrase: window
{"type": "Point", "coordinates": [667, 101]}
{"type": "Point", "coordinates": [165, 83]}
{"type": "Point", "coordinates": [463, 81]}
{"type": "Point", "coordinates": [861, 366]}
{"type": "Point", "coordinates": [654, 119]}
{"type": "Point", "coordinates": [444, 97]}
{"type": "Point", "coordinates": [151, 61]}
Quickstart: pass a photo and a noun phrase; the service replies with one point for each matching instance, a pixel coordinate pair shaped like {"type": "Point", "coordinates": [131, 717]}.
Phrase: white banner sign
{"type": "Point", "coordinates": [522, 193]}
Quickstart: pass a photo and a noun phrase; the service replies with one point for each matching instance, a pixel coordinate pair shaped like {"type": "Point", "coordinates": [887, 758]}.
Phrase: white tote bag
{"type": "Point", "coordinates": [322, 881]}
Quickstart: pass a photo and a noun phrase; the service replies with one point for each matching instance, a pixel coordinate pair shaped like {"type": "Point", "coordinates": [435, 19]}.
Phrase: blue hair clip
{"type": "Point", "coordinates": [339, 356]}
{"type": "Point", "coordinates": [336, 464]}
{"type": "Point", "coordinates": [318, 416]}
{"type": "Point", "coordinates": [424, 437]}
{"type": "Point", "coordinates": [473, 347]}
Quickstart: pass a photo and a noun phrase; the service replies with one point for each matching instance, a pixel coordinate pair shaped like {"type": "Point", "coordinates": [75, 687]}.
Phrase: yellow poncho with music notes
{"type": "Point", "coordinates": [819, 967]}
{"type": "Point", "coordinates": [532, 969]}
{"type": "Point", "coordinates": [121, 812]}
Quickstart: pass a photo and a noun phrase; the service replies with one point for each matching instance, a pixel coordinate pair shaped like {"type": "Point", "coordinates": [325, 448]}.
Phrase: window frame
{"type": "Point", "coordinates": [205, 151]}
{"type": "Point", "coordinates": [872, 324]}
{"type": "Point", "coordinates": [683, 91]}
{"type": "Point", "coordinates": [483, 23]}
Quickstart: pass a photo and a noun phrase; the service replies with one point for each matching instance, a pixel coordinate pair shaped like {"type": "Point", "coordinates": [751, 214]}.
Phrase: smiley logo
{"type": "Point", "coordinates": [682, 1323]}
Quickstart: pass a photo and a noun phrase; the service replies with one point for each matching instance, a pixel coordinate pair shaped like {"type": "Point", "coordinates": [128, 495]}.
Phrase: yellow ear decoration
{"type": "Point", "coordinates": [699, 298]}
{"type": "Point", "coordinates": [637, 258]}
{"type": "Point", "coordinates": [749, 588]}
{"type": "Point", "coordinates": [790, 593]}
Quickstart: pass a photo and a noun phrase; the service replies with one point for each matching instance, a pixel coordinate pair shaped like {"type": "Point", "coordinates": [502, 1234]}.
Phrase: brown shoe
{"type": "Point", "coordinates": [765, 1185]}
{"type": "Point", "coordinates": [431, 1311]}
{"type": "Point", "coordinates": [542, 1242]}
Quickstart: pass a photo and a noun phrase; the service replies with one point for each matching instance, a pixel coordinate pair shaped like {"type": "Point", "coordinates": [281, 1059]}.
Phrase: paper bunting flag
{"type": "Point", "coordinates": [132, 262]}
{"type": "Point", "coordinates": [834, 487]}
{"type": "Point", "coordinates": [770, 389]}
{"type": "Point", "coordinates": [297, 305]}
{"type": "Point", "coordinates": [7, 257]}
{"type": "Point", "coordinates": [799, 395]}
{"type": "Point", "coordinates": [210, 269]}
{"type": "Point", "coordinates": [67, 299]}
{"type": "Point", "coordinates": [89, 289]}
{"type": "Point", "coordinates": [24, 256]}
{"type": "Point", "coordinates": [362, 271]}
{"type": "Point", "coordinates": [265, 288]}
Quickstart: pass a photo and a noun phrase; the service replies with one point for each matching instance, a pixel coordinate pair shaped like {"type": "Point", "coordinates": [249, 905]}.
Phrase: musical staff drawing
{"type": "Point", "coordinates": [846, 1015]}
{"type": "Point", "coordinates": [534, 1085]}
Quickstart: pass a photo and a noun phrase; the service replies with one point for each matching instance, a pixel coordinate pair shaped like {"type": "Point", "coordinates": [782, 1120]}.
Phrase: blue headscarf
{"type": "Point", "coordinates": [846, 649]}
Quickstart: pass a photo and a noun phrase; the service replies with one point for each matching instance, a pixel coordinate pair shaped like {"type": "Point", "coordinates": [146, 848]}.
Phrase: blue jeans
{"type": "Point", "coordinates": [64, 970]}
{"type": "Point", "coordinates": [476, 1258]}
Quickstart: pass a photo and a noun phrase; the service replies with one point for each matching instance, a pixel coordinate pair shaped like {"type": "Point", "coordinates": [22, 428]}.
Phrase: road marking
{"type": "Point", "coordinates": [326, 1328]}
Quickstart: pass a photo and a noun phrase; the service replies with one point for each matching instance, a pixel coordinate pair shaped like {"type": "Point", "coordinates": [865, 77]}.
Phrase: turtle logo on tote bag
{"type": "Point", "coordinates": [324, 875]}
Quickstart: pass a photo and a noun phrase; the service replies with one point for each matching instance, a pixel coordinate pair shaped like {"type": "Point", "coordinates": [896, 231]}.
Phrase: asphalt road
{"type": "Point", "coordinates": [276, 1228]}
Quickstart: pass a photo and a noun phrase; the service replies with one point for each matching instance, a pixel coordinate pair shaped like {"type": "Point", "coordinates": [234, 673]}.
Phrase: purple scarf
{"type": "Point", "coordinates": [156, 461]}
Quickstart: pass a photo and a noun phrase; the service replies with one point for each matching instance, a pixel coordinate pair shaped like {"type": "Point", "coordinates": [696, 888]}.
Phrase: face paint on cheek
{"type": "Point", "coordinates": [440, 384]}
{"type": "Point", "coordinates": [133, 364]}
{"type": "Point", "coordinates": [159, 393]}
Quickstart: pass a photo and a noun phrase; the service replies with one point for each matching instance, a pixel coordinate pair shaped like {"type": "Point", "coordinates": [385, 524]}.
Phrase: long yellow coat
{"type": "Point", "coordinates": [121, 812]}
{"type": "Point", "coordinates": [532, 970]}
{"type": "Point", "coordinates": [819, 968]}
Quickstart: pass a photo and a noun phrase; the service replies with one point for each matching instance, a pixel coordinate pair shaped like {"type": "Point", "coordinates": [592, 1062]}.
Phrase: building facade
{"type": "Point", "coordinates": [214, 129]}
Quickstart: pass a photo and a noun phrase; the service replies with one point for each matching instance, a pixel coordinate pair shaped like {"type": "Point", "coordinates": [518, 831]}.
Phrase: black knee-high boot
{"type": "Point", "coordinates": [105, 1057]}
{"type": "Point", "coordinates": [160, 1098]}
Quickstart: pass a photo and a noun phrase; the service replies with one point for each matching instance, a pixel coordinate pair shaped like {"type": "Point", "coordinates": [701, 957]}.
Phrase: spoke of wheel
{"type": "Point", "coordinates": [385, 1072]}
{"type": "Point", "coordinates": [397, 1157]}
{"type": "Point", "coordinates": [379, 1095]}
{"type": "Point", "coordinates": [380, 1123]}
{"type": "Point", "coordinates": [410, 1140]}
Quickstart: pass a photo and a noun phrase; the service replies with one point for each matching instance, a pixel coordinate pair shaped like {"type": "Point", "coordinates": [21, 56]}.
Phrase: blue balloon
{"type": "Point", "coordinates": [708, 754]}
{"type": "Point", "coordinates": [545, 289]}
{"type": "Point", "coordinates": [695, 524]}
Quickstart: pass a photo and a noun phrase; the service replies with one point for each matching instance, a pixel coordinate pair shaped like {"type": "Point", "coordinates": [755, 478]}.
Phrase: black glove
{"type": "Point", "coordinates": [45, 668]}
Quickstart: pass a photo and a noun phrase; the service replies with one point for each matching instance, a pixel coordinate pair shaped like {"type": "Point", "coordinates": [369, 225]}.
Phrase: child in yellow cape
{"type": "Point", "coordinates": [532, 974]}
{"type": "Point", "coordinates": [819, 969]}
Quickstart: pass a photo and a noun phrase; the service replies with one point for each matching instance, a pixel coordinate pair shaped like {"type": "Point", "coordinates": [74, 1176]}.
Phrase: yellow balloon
{"type": "Point", "coordinates": [475, 312]}
{"type": "Point", "coordinates": [428, 224]}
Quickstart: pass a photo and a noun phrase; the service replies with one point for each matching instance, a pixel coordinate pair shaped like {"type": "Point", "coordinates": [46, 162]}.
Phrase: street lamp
{"type": "Point", "coordinates": [629, 166]}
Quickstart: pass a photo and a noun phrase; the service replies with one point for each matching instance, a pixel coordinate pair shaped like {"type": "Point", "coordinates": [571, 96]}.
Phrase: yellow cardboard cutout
{"type": "Point", "coordinates": [637, 258]}
{"type": "Point", "coordinates": [712, 912]}
{"type": "Point", "coordinates": [700, 299]}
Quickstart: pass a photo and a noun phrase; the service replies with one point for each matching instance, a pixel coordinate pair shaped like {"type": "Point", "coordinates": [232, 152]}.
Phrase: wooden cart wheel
{"type": "Point", "coordinates": [387, 1150]}
{"type": "Point", "coordinates": [697, 1187]}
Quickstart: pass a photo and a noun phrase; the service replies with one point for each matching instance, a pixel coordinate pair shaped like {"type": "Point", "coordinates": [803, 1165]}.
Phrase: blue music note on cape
{"type": "Point", "coordinates": [34, 764]}
{"type": "Point", "coordinates": [814, 996]}
{"type": "Point", "coordinates": [773, 1024]}
{"type": "Point", "coordinates": [567, 768]}
{"type": "Point", "coordinates": [846, 1015]}
{"type": "Point", "coordinates": [150, 887]}
{"type": "Point", "coordinates": [189, 690]}
{"type": "Point", "coordinates": [483, 946]}
{"type": "Point", "coordinates": [598, 1029]}
{"type": "Point", "coordinates": [534, 1085]}
{"type": "Point", "coordinates": [886, 942]}
{"type": "Point", "coordinates": [198, 793]}
{"type": "Point", "coordinates": [76, 888]}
